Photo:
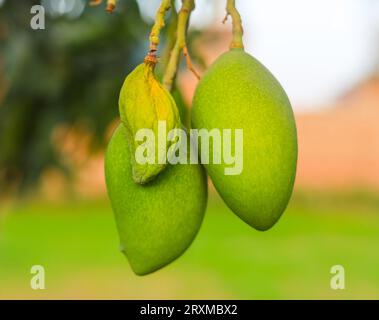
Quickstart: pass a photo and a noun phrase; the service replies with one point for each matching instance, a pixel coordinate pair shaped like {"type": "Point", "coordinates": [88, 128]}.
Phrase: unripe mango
{"type": "Point", "coordinates": [143, 103]}
{"type": "Point", "coordinates": [238, 92]}
{"type": "Point", "coordinates": [156, 221]}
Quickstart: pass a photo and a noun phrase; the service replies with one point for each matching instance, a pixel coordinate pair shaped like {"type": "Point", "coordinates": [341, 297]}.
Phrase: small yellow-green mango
{"type": "Point", "coordinates": [238, 92]}
{"type": "Point", "coordinates": [156, 221]}
{"type": "Point", "coordinates": [143, 103]}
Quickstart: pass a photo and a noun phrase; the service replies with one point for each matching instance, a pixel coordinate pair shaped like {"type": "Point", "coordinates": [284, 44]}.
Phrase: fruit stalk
{"type": "Point", "coordinates": [158, 26]}
{"type": "Point", "coordinates": [180, 45]}
{"type": "Point", "coordinates": [170, 35]}
{"type": "Point", "coordinates": [232, 11]}
{"type": "Point", "coordinates": [111, 5]}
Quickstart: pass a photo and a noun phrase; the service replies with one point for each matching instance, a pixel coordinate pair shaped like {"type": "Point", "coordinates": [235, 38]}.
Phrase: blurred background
{"type": "Point", "coordinates": [58, 106]}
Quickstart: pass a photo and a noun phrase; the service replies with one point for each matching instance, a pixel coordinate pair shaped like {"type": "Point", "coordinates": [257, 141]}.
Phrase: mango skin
{"type": "Point", "coordinates": [238, 92]}
{"type": "Point", "coordinates": [157, 221]}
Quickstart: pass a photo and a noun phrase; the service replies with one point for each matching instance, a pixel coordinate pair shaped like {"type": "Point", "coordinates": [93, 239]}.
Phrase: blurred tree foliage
{"type": "Point", "coordinates": [69, 73]}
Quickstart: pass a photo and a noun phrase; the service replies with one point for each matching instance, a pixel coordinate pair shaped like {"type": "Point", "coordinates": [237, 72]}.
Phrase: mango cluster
{"type": "Point", "coordinates": [159, 208]}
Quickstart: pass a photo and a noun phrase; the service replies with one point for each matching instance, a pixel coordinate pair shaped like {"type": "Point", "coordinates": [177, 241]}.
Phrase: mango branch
{"type": "Point", "coordinates": [232, 11]}
{"type": "Point", "coordinates": [189, 63]}
{"type": "Point", "coordinates": [170, 36]}
{"type": "Point", "coordinates": [180, 45]}
{"type": "Point", "coordinates": [111, 4]}
{"type": "Point", "coordinates": [158, 26]}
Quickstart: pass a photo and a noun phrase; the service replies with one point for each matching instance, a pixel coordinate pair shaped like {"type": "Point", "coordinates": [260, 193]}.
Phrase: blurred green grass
{"type": "Point", "coordinates": [76, 242]}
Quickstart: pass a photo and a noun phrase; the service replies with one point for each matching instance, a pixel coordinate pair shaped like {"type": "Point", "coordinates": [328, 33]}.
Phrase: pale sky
{"type": "Point", "coordinates": [317, 49]}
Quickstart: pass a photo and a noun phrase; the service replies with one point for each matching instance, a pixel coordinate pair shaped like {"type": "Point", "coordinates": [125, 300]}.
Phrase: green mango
{"type": "Point", "coordinates": [238, 92]}
{"type": "Point", "coordinates": [156, 221]}
{"type": "Point", "coordinates": [143, 103]}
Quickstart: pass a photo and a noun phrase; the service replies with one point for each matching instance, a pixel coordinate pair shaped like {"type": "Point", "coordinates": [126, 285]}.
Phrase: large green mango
{"type": "Point", "coordinates": [157, 221]}
{"type": "Point", "coordinates": [238, 92]}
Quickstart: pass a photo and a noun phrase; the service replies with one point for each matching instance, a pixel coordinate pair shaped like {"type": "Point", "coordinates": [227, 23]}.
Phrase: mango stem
{"type": "Point", "coordinates": [180, 45]}
{"type": "Point", "coordinates": [158, 25]}
{"type": "Point", "coordinates": [189, 63]}
{"type": "Point", "coordinates": [232, 11]}
{"type": "Point", "coordinates": [170, 36]}
{"type": "Point", "coordinates": [111, 4]}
